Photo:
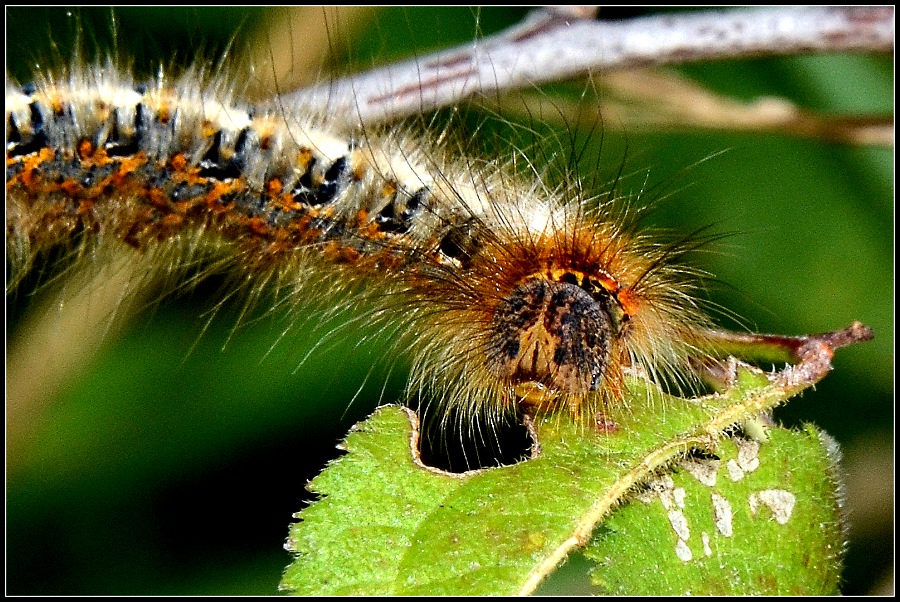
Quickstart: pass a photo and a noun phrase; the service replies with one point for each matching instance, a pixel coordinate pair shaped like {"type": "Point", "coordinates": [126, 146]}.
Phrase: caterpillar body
{"type": "Point", "coordinates": [508, 290]}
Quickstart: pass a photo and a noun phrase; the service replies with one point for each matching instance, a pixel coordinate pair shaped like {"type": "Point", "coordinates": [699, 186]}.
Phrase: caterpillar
{"type": "Point", "coordinates": [506, 288]}
{"type": "Point", "coordinates": [432, 156]}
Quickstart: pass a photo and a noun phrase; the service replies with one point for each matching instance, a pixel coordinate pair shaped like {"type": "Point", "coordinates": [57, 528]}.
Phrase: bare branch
{"type": "Point", "coordinates": [650, 99]}
{"type": "Point", "coordinates": [550, 46]}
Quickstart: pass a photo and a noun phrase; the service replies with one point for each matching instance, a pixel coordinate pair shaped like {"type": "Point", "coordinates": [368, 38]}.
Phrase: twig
{"type": "Point", "coordinates": [656, 100]}
{"type": "Point", "coordinates": [550, 46]}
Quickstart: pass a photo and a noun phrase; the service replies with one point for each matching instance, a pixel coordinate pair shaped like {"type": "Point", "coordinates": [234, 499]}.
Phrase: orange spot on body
{"type": "Point", "coordinates": [178, 162]}
{"type": "Point", "coordinates": [274, 187]}
{"type": "Point", "coordinates": [71, 187]}
{"type": "Point", "coordinates": [55, 102]}
{"type": "Point", "coordinates": [214, 196]}
{"type": "Point", "coordinates": [126, 167]}
{"type": "Point", "coordinates": [171, 220]}
{"type": "Point", "coordinates": [609, 283]}
{"type": "Point", "coordinates": [85, 149]}
{"type": "Point", "coordinates": [630, 302]}
{"type": "Point", "coordinates": [258, 225]}
{"type": "Point", "coordinates": [157, 198]}
{"type": "Point", "coordinates": [351, 255]}
{"type": "Point", "coordinates": [286, 202]}
{"type": "Point", "coordinates": [304, 158]}
{"type": "Point", "coordinates": [207, 129]}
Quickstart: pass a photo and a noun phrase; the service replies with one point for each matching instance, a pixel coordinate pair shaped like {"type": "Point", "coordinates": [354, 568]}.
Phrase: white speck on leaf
{"type": "Point", "coordinates": [748, 454]}
{"type": "Point", "coordinates": [723, 514]}
{"type": "Point", "coordinates": [683, 551]}
{"type": "Point", "coordinates": [704, 537]}
{"type": "Point", "coordinates": [703, 470]}
{"type": "Point", "coordinates": [779, 501]}
{"type": "Point", "coordinates": [734, 471]}
{"type": "Point", "coordinates": [680, 524]}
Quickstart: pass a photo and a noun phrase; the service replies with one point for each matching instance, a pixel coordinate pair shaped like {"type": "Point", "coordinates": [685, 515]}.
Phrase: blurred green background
{"type": "Point", "coordinates": [173, 462]}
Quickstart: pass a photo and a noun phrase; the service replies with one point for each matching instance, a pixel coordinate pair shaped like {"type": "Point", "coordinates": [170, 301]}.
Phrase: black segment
{"type": "Point", "coordinates": [240, 145]}
{"type": "Point", "coordinates": [13, 136]}
{"type": "Point", "coordinates": [415, 205]}
{"type": "Point", "coordinates": [460, 242]}
{"type": "Point", "coordinates": [38, 140]}
{"type": "Point", "coordinates": [305, 182]}
{"type": "Point", "coordinates": [213, 166]}
{"type": "Point", "coordinates": [119, 145]}
{"type": "Point", "coordinates": [184, 192]}
{"type": "Point", "coordinates": [570, 278]}
{"type": "Point", "coordinates": [308, 194]}
{"type": "Point", "coordinates": [330, 185]}
{"type": "Point", "coordinates": [388, 220]}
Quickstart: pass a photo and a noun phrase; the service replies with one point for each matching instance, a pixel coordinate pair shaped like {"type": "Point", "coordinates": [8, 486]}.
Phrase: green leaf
{"type": "Point", "coordinates": [757, 519]}
{"type": "Point", "coordinates": [387, 524]}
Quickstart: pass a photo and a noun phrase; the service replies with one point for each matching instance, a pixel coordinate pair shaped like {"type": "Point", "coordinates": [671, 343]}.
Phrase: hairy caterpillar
{"type": "Point", "coordinates": [504, 282]}
{"type": "Point", "coordinates": [775, 286]}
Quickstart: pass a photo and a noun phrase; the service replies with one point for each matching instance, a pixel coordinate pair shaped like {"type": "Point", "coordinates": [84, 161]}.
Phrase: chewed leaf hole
{"type": "Point", "coordinates": [457, 446]}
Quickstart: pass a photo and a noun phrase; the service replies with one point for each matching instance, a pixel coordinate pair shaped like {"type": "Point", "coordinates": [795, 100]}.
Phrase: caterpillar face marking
{"type": "Point", "coordinates": [553, 333]}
